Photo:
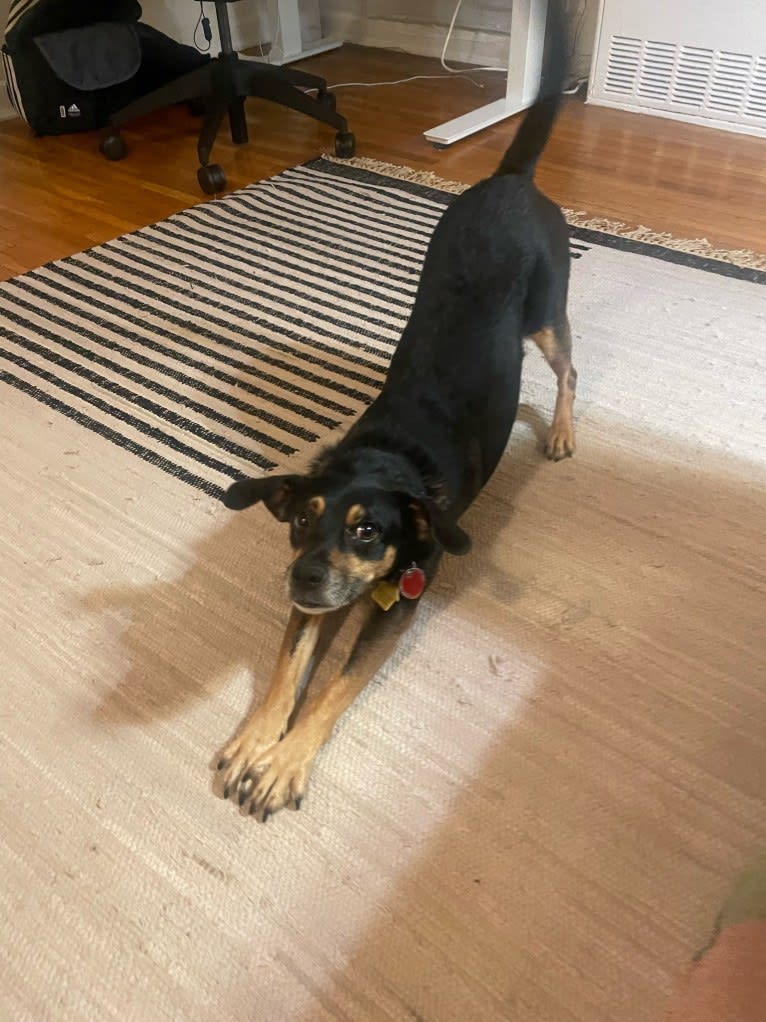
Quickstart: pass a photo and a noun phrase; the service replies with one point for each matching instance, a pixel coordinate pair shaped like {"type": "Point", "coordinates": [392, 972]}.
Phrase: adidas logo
{"type": "Point", "coordinates": [73, 110]}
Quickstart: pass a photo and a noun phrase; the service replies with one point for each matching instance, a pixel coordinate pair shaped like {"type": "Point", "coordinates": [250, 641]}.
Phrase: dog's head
{"type": "Point", "coordinates": [347, 534]}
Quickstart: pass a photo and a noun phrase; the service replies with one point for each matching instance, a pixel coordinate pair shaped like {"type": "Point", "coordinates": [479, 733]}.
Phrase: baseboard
{"type": "Point", "coordinates": [469, 46]}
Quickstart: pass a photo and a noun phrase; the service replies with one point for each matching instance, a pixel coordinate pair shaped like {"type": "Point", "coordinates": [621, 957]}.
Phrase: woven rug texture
{"type": "Point", "coordinates": [535, 810]}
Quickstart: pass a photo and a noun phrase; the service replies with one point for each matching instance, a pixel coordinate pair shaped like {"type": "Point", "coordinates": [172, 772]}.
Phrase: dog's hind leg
{"type": "Point", "coordinates": [555, 342]}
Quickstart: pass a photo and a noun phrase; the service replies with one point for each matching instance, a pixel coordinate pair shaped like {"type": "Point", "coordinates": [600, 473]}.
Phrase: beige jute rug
{"type": "Point", "coordinates": [535, 810]}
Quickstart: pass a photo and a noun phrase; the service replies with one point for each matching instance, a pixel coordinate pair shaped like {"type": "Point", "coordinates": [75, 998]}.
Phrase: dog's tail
{"type": "Point", "coordinates": [534, 131]}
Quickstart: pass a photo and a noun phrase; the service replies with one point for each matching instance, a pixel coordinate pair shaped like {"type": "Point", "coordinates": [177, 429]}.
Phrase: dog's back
{"type": "Point", "coordinates": [496, 271]}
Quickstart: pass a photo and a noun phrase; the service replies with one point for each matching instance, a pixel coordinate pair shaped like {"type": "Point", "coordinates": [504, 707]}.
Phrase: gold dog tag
{"type": "Point", "coordinates": [385, 594]}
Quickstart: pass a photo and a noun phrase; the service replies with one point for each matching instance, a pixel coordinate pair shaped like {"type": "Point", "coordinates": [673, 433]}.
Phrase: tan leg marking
{"type": "Point", "coordinates": [280, 776]}
{"type": "Point", "coordinates": [556, 346]}
{"type": "Point", "coordinates": [263, 727]}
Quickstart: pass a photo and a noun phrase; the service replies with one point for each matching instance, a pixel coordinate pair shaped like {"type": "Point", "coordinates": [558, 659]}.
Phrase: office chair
{"type": "Point", "coordinates": [221, 86]}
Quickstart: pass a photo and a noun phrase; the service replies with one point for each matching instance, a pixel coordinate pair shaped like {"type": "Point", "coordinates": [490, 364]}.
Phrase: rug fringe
{"type": "Point", "coordinates": [694, 246]}
{"type": "Point", "coordinates": [417, 177]}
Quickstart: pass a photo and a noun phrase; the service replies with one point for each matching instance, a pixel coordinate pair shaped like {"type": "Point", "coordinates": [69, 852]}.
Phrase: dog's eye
{"type": "Point", "coordinates": [301, 520]}
{"type": "Point", "coordinates": [366, 532]}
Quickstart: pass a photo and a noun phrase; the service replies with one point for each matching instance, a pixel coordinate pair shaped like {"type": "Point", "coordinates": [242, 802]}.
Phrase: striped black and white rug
{"type": "Point", "coordinates": [238, 332]}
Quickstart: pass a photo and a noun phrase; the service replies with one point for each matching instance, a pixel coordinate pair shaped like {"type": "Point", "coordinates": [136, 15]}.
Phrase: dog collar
{"type": "Point", "coordinates": [411, 584]}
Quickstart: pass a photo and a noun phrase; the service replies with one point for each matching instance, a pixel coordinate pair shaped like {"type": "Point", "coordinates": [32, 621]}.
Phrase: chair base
{"type": "Point", "coordinates": [222, 86]}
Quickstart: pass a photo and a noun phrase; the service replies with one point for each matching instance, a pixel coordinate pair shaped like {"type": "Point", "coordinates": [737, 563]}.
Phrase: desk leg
{"type": "Point", "coordinates": [525, 59]}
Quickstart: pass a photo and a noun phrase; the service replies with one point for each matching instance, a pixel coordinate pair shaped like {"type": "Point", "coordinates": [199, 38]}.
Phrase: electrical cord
{"type": "Point", "coordinates": [578, 27]}
{"type": "Point", "coordinates": [575, 87]}
{"type": "Point", "coordinates": [577, 83]}
{"type": "Point", "coordinates": [207, 31]}
{"type": "Point", "coordinates": [457, 70]}
{"type": "Point", "coordinates": [399, 81]}
{"type": "Point", "coordinates": [274, 32]}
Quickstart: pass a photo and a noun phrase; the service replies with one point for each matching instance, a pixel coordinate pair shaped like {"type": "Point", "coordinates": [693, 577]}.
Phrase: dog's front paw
{"type": "Point", "coordinates": [561, 442]}
{"type": "Point", "coordinates": [276, 779]}
{"type": "Point", "coordinates": [252, 740]}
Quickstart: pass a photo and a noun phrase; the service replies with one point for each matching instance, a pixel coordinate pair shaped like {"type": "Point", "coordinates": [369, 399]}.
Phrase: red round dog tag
{"type": "Point", "coordinates": [412, 583]}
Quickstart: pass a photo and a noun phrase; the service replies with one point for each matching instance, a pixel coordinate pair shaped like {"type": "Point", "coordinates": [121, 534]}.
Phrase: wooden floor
{"type": "Point", "coordinates": [58, 195]}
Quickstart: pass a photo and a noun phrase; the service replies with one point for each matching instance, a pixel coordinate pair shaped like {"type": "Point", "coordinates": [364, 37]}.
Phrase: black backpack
{"type": "Point", "coordinates": [70, 64]}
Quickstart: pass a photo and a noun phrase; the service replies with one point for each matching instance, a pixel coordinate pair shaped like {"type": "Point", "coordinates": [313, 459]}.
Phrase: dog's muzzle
{"type": "Point", "coordinates": [317, 588]}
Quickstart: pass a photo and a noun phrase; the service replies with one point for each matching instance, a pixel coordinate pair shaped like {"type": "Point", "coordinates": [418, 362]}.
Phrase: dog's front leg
{"type": "Point", "coordinates": [264, 726]}
{"type": "Point", "coordinates": [280, 776]}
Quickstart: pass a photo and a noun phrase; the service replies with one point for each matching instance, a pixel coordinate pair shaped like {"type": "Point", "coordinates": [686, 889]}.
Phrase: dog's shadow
{"type": "Point", "coordinates": [487, 519]}
{"type": "Point", "coordinates": [187, 637]}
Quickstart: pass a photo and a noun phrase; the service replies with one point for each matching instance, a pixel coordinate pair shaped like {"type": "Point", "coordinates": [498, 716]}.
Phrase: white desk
{"type": "Point", "coordinates": [525, 60]}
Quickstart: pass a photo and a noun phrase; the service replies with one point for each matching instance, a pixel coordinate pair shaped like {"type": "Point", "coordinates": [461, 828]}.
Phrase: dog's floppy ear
{"type": "Point", "coordinates": [277, 493]}
{"type": "Point", "coordinates": [432, 522]}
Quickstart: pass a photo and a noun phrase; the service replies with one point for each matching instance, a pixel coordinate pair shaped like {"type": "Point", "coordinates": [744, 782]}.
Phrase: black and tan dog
{"type": "Point", "coordinates": [372, 518]}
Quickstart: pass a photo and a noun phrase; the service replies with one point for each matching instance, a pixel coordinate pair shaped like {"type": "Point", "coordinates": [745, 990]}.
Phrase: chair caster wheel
{"type": "Point", "coordinates": [327, 99]}
{"type": "Point", "coordinates": [112, 146]}
{"type": "Point", "coordinates": [212, 179]}
{"type": "Point", "coordinates": [345, 145]}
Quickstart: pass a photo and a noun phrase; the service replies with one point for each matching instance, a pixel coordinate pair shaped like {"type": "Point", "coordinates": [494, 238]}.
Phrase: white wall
{"type": "Point", "coordinates": [178, 18]}
{"type": "Point", "coordinates": [420, 26]}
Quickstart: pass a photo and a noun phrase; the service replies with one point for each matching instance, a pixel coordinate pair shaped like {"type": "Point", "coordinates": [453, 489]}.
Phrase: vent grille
{"type": "Point", "coordinates": [671, 76]}
{"type": "Point", "coordinates": [622, 69]}
{"type": "Point", "coordinates": [656, 76]}
{"type": "Point", "coordinates": [692, 76]}
{"type": "Point", "coordinates": [755, 104]}
{"type": "Point", "coordinates": [728, 86]}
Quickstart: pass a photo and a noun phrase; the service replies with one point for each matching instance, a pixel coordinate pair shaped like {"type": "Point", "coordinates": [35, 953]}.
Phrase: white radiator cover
{"type": "Point", "coordinates": [702, 61]}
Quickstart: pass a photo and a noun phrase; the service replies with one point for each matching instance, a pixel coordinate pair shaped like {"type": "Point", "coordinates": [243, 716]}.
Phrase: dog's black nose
{"type": "Point", "coordinates": [309, 575]}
